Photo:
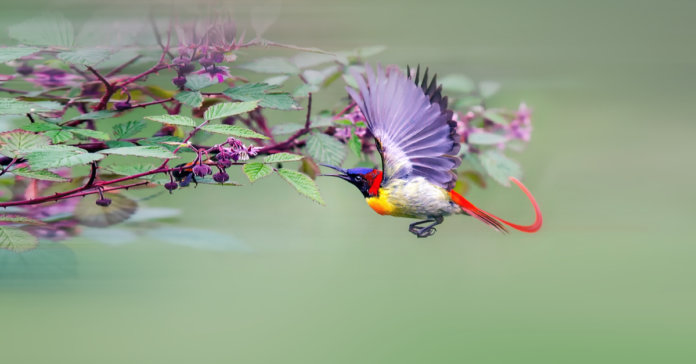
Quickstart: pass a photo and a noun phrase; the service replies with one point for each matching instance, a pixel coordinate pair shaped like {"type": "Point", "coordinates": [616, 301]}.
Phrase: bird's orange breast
{"type": "Point", "coordinates": [381, 203]}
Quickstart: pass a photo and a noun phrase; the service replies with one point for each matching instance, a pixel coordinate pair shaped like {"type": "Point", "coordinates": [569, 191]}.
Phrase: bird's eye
{"type": "Point", "coordinates": [358, 179]}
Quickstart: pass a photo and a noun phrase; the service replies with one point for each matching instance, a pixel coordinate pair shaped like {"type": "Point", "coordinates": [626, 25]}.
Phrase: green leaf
{"type": "Point", "coordinates": [286, 129]}
{"type": "Point", "coordinates": [85, 57]}
{"type": "Point", "coordinates": [45, 30]}
{"type": "Point", "coordinates": [306, 59]}
{"type": "Point", "coordinates": [55, 156]}
{"type": "Point", "coordinates": [95, 115]}
{"type": "Point", "coordinates": [10, 106]}
{"type": "Point", "coordinates": [344, 122]}
{"type": "Point", "coordinates": [59, 136]}
{"type": "Point", "coordinates": [355, 145]}
{"type": "Point", "coordinates": [304, 90]}
{"type": "Point", "coordinates": [11, 53]}
{"type": "Point", "coordinates": [190, 98]}
{"type": "Point", "coordinates": [458, 83]}
{"type": "Point", "coordinates": [488, 88]}
{"type": "Point", "coordinates": [16, 240]}
{"type": "Point", "coordinates": [282, 157]}
{"type": "Point", "coordinates": [18, 219]}
{"type": "Point", "coordinates": [208, 180]}
{"type": "Point", "coordinates": [302, 183]}
{"type": "Point", "coordinates": [16, 143]}
{"type": "Point", "coordinates": [257, 91]}
{"type": "Point", "coordinates": [142, 151]}
{"type": "Point", "coordinates": [500, 167]}
{"type": "Point", "coordinates": [128, 129]}
{"type": "Point", "coordinates": [197, 82]}
{"type": "Point", "coordinates": [227, 109]}
{"type": "Point", "coordinates": [467, 102]}
{"type": "Point", "coordinates": [89, 133]}
{"type": "Point", "coordinates": [118, 143]}
{"type": "Point", "coordinates": [255, 171]}
{"type": "Point", "coordinates": [484, 138]}
{"type": "Point", "coordinates": [271, 65]}
{"type": "Point", "coordinates": [233, 130]}
{"type": "Point", "coordinates": [40, 126]}
{"type": "Point", "coordinates": [174, 120]}
{"type": "Point", "coordinates": [495, 117]}
{"type": "Point", "coordinates": [40, 175]}
{"type": "Point", "coordinates": [276, 80]}
{"type": "Point", "coordinates": [89, 213]}
{"type": "Point", "coordinates": [325, 149]}
{"type": "Point", "coordinates": [133, 169]}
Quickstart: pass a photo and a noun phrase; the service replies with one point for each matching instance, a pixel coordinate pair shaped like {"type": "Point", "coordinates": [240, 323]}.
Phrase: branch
{"type": "Point", "coordinates": [291, 140]}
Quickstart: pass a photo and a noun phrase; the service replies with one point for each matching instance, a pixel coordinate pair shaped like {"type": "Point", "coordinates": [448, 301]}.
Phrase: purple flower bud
{"type": "Point", "coordinates": [179, 81]}
{"type": "Point", "coordinates": [202, 170]}
{"type": "Point", "coordinates": [25, 69]}
{"type": "Point", "coordinates": [171, 186]}
{"type": "Point", "coordinates": [103, 202]}
{"type": "Point", "coordinates": [123, 105]}
{"type": "Point", "coordinates": [218, 57]}
{"type": "Point", "coordinates": [186, 68]}
{"type": "Point", "coordinates": [206, 62]}
{"type": "Point", "coordinates": [221, 177]}
{"type": "Point", "coordinates": [235, 143]}
{"type": "Point", "coordinates": [224, 163]}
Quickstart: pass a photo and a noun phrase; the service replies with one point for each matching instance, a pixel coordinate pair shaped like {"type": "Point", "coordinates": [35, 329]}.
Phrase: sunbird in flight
{"type": "Point", "coordinates": [416, 139]}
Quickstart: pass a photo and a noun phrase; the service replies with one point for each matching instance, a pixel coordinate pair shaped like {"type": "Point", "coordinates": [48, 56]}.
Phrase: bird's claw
{"type": "Point", "coordinates": [422, 232]}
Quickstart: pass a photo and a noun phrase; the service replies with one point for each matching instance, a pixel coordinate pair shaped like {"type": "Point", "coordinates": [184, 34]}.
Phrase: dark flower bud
{"type": "Point", "coordinates": [25, 69]}
{"type": "Point", "coordinates": [103, 202]}
{"type": "Point", "coordinates": [202, 170]}
{"type": "Point", "coordinates": [179, 81]}
{"type": "Point", "coordinates": [171, 186]}
{"type": "Point", "coordinates": [123, 105]}
{"type": "Point", "coordinates": [221, 177]}
{"type": "Point", "coordinates": [224, 163]}
{"type": "Point", "coordinates": [186, 68]}
{"type": "Point", "coordinates": [166, 130]}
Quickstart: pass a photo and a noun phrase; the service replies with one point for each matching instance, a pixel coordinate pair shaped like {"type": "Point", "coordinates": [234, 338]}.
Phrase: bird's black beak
{"type": "Point", "coordinates": [343, 175]}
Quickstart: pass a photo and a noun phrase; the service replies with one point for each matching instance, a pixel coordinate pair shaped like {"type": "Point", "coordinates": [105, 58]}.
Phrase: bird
{"type": "Point", "coordinates": [416, 139]}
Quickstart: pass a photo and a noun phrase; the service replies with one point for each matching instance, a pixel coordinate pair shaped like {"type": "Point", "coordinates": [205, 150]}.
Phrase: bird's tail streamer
{"type": "Point", "coordinates": [495, 221]}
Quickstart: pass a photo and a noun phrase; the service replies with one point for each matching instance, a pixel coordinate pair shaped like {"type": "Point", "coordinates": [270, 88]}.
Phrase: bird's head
{"type": "Point", "coordinates": [367, 180]}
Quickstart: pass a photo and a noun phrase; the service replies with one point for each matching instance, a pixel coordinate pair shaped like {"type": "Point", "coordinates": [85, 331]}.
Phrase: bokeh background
{"type": "Point", "coordinates": [609, 279]}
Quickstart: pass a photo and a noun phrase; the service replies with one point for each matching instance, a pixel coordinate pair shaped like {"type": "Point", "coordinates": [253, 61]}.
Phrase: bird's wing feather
{"type": "Point", "coordinates": [414, 129]}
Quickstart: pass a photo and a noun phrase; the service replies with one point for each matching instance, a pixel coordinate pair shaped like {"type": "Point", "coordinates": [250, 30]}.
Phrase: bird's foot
{"type": "Point", "coordinates": [423, 232]}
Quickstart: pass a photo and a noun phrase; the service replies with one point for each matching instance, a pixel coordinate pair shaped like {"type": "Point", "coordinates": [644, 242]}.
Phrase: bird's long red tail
{"type": "Point", "coordinates": [495, 221]}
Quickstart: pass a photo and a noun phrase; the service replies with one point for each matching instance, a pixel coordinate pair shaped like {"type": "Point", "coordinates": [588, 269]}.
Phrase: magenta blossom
{"type": "Point", "coordinates": [216, 73]}
{"type": "Point", "coordinates": [51, 77]}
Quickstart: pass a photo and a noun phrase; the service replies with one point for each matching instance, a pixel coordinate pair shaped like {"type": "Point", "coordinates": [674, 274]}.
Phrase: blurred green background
{"type": "Point", "coordinates": [609, 279]}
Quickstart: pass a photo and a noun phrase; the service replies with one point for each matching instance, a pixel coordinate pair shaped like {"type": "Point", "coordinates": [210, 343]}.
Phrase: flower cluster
{"type": "Point", "coordinates": [474, 121]}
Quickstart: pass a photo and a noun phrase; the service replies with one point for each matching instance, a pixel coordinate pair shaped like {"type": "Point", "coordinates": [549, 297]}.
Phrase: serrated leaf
{"type": "Point", "coordinates": [355, 145]}
{"type": "Point", "coordinates": [484, 138]}
{"type": "Point", "coordinates": [458, 83]}
{"type": "Point", "coordinates": [302, 183]}
{"type": "Point", "coordinates": [174, 120]}
{"type": "Point", "coordinates": [89, 133]}
{"type": "Point", "coordinates": [197, 82]}
{"type": "Point", "coordinates": [85, 57]}
{"type": "Point", "coordinates": [10, 106]}
{"type": "Point", "coordinates": [258, 92]}
{"type": "Point", "coordinates": [118, 144]}
{"type": "Point", "coordinates": [40, 126]}
{"type": "Point", "coordinates": [500, 167]}
{"type": "Point", "coordinates": [304, 90]}
{"type": "Point", "coordinates": [89, 213]}
{"type": "Point", "coordinates": [286, 129]}
{"type": "Point", "coordinates": [40, 175]}
{"type": "Point", "coordinates": [128, 129]}
{"type": "Point", "coordinates": [282, 157]}
{"type": "Point", "coordinates": [44, 30]}
{"type": "Point", "coordinates": [233, 130]}
{"type": "Point", "coordinates": [325, 149]}
{"type": "Point", "coordinates": [227, 109]}
{"type": "Point", "coordinates": [11, 53]}
{"type": "Point", "coordinates": [142, 151]}
{"type": "Point", "coordinates": [15, 143]}
{"type": "Point", "coordinates": [95, 115]}
{"type": "Point", "coordinates": [271, 65]}
{"type": "Point", "coordinates": [190, 98]}
{"type": "Point", "coordinates": [255, 171]}
{"type": "Point", "coordinates": [19, 219]}
{"type": "Point", "coordinates": [16, 240]}
{"type": "Point", "coordinates": [55, 156]}
{"type": "Point", "coordinates": [59, 136]}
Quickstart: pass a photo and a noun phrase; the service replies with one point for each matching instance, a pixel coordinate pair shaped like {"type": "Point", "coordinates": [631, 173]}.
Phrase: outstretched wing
{"type": "Point", "coordinates": [414, 130]}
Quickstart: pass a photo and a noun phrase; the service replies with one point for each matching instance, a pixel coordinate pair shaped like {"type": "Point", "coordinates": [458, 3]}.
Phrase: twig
{"type": "Point", "coordinates": [123, 66]}
{"type": "Point", "coordinates": [289, 142]}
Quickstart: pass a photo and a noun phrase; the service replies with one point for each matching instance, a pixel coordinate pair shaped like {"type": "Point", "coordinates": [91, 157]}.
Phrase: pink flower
{"type": "Point", "coordinates": [52, 77]}
{"type": "Point", "coordinates": [216, 73]}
